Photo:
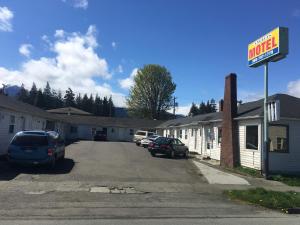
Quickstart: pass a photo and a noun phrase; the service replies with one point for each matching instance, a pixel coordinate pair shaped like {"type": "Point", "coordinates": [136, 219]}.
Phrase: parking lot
{"type": "Point", "coordinates": [112, 180]}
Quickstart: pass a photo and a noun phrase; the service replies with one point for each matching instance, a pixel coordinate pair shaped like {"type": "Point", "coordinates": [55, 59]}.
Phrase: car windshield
{"type": "Point", "coordinates": [30, 140]}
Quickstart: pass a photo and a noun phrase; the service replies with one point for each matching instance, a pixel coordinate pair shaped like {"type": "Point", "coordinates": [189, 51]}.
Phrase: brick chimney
{"type": "Point", "coordinates": [229, 145]}
{"type": "Point", "coordinates": [221, 105]}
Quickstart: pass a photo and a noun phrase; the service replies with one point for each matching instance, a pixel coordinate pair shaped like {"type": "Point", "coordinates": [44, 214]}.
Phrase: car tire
{"type": "Point", "coordinates": [52, 163]}
{"type": "Point", "coordinates": [153, 154]}
{"type": "Point", "coordinates": [172, 155]}
{"type": "Point", "coordinates": [186, 155]}
{"type": "Point", "coordinates": [63, 155]}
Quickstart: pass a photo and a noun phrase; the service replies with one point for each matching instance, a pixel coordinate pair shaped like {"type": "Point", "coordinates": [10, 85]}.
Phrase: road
{"type": "Point", "coordinates": [111, 181]}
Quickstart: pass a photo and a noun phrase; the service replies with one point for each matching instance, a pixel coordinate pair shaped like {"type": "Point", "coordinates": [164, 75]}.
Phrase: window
{"type": "Point", "coordinates": [219, 135]}
{"type": "Point", "coordinates": [252, 137]}
{"type": "Point", "coordinates": [113, 130]}
{"type": "Point", "coordinates": [186, 134]}
{"type": "Point", "coordinates": [12, 121]}
{"type": "Point", "coordinates": [278, 135]}
{"type": "Point", "coordinates": [142, 133]}
{"type": "Point", "coordinates": [180, 133]}
{"type": "Point", "coordinates": [73, 129]}
{"type": "Point", "coordinates": [131, 132]}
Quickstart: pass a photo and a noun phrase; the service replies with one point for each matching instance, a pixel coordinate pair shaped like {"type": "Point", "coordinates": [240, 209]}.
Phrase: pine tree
{"type": "Point", "coordinates": [78, 101]}
{"type": "Point", "coordinates": [98, 107]}
{"type": "Point", "coordinates": [69, 98]}
{"type": "Point", "coordinates": [33, 95]}
{"type": "Point", "coordinates": [40, 99]}
{"type": "Point", "coordinates": [23, 94]}
{"type": "Point", "coordinates": [202, 108]}
{"type": "Point", "coordinates": [105, 107]}
{"type": "Point", "coordinates": [194, 110]}
{"type": "Point", "coordinates": [213, 105]}
{"type": "Point", "coordinates": [111, 107]}
{"type": "Point", "coordinates": [90, 104]}
{"type": "Point", "coordinates": [85, 103]}
{"type": "Point", "coordinates": [48, 98]}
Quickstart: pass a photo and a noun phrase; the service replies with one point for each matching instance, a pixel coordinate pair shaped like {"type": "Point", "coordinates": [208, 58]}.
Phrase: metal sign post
{"type": "Point", "coordinates": [266, 125]}
{"type": "Point", "coordinates": [271, 47]}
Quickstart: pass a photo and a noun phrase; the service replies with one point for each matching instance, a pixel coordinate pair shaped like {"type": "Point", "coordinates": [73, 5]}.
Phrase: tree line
{"type": "Point", "coordinates": [49, 98]}
{"type": "Point", "coordinates": [203, 108]}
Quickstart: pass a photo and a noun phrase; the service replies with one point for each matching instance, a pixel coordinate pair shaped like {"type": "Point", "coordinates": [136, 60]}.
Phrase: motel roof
{"type": "Point", "coordinates": [69, 110]}
{"type": "Point", "coordinates": [289, 109]}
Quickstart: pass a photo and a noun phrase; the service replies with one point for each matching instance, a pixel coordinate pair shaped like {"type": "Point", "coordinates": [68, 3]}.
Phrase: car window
{"type": "Point", "coordinates": [30, 140]}
{"type": "Point", "coordinates": [150, 134]}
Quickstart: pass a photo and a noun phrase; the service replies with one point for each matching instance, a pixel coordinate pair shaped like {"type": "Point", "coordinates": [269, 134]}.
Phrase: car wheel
{"type": "Point", "coordinates": [186, 155]}
{"type": "Point", "coordinates": [63, 155]}
{"type": "Point", "coordinates": [153, 154]}
{"type": "Point", "coordinates": [53, 163]}
{"type": "Point", "coordinates": [172, 155]}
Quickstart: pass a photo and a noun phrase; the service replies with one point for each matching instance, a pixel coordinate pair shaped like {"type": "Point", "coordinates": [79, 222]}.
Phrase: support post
{"type": "Point", "coordinates": [266, 127]}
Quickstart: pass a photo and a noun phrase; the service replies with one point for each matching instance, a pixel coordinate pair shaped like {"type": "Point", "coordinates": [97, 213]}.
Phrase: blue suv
{"type": "Point", "coordinates": [36, 147]}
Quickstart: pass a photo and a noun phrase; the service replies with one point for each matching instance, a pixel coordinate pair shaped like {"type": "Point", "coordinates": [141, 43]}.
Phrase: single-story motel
{"type": "Point", "coordinates": [233, 135]}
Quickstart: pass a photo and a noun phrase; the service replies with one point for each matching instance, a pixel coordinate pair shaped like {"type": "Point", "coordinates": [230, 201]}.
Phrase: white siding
{"type": "Point", "coordinates": [31, 123]}
{"type": "Point", "coordinates": [248, 157]}
{"type": "Point", "coordinates": [288, 162]}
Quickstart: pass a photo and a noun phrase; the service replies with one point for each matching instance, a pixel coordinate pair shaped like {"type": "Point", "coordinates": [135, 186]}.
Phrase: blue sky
{"type": "Point", "coordinates": [97, 45]}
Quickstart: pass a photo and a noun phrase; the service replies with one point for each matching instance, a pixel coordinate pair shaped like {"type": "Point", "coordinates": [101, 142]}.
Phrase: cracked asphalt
{"type": "Point", "coordinates": [116, 180]}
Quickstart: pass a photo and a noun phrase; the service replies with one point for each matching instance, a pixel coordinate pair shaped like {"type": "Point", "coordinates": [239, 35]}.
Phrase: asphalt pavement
{"type": "Point", "coordinates": [119, 183]}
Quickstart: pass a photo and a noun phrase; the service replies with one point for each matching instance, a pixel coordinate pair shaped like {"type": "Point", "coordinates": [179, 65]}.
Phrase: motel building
{"type": "Point", "coordinates": [234, 135]}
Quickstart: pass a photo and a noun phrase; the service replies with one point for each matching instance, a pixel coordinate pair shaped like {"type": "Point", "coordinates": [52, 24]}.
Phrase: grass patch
{"type": "Point", "coordinates": [289, 180]}
{"type": "Point", "coordinates": [269, 199]}
{"type": "Point", "coordinates": [246, 171]}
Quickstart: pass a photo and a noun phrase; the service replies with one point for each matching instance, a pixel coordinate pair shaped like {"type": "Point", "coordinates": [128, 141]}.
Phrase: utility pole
{"type": "Point", "coordinates": [175, 104]}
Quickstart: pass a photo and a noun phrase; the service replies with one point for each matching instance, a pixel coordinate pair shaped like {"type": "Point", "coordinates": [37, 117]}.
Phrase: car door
{"type": "Point", "coordinates": [180, 146]}
{"type": "Point", "coordinates": [175, 145]}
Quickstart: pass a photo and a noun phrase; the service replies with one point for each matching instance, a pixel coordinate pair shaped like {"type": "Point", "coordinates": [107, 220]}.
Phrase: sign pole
{"type": "Point", "coordinates": [266, 130]}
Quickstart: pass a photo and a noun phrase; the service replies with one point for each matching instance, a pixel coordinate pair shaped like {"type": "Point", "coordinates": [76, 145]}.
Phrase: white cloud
{"type": "Point", "coordinates": [114, 45]}
{"type": "Point", "coordinates": [294, 88]}
{"type": "Point", "coordinates": [128, 82]}
{"type": "Point", "coordinates": [25, 49]}
{"type": "Point", "coordinates": [59, 34]}
{"type": "Point", "coordinates": [75, 64]}
{"type": "Point", "coordinates": [248, 96]}
{"type": "Point", "coordinates": [6, 17]}
{"type": "Point", "coordinates": [182, 110]}
{"type": "Point", "coordinates": [81, 4]}
{"type": "Point", "coordinates": [120, 69]}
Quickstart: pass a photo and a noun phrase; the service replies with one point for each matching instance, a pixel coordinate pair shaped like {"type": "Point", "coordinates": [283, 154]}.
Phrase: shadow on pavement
{"type": "Point", "coordinates": [10, 171]}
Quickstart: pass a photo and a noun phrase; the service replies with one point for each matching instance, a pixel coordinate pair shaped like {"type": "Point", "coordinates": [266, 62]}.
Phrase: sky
{"type": "Point", "coordinates": [97, 46]}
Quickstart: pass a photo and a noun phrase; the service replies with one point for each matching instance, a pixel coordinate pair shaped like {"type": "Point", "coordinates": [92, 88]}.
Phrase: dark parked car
{"type": "Point", "coordinates": [36, 147]}
{"type": "Point", "coordinates": [100, 136]}
{"type": "Point", "coordinates": [168, 146]}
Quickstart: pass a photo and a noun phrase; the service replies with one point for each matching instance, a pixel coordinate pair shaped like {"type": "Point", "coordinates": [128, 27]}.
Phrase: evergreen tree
{"type": "Point", "coordinates": [98, 106]}
{"type": "Point", "coordinates": [69, 98]}
{"type": "Point", "coordinates": [23, 94]}
{"type": "Point", "coordinates": [33, 95]}
{"type": "Point", "coordinates": [90, 104]}
{"type": "Point", "coordinates": [194, 110]}
{"type": "Point", "coordinates": [111, 107]}
{"type": "Point", "coordinates": [78, 101]}
{"type": "Point", "coordinates": [202, 108]}
{"type": "Point", "coordinates": [48, 98]}
{"type": "Point", "coordinates": [40, 99]}
{"type": "Point", "coordinates": [105, 107]}
{"type": "Point", "coordinates": [85, 103]}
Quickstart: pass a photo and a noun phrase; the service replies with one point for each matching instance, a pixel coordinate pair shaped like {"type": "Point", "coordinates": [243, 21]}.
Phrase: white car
{"type": "Point", "coordinates": [140, 135]}
{"type": "Point", "coordinates": [146, 141]}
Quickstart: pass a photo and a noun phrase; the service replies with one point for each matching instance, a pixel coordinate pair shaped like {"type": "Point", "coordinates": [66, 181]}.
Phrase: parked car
{"type": "Point", "coordinates": [168, 146]}
{"type": "Point", "coordinates": [36, 147]}
{"type": "Point", "coordinates": [100, 136]}
{"type": "Point", "coordinates": [146, 141]}
{"type": "Point", "coordinates": [141, 134]}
